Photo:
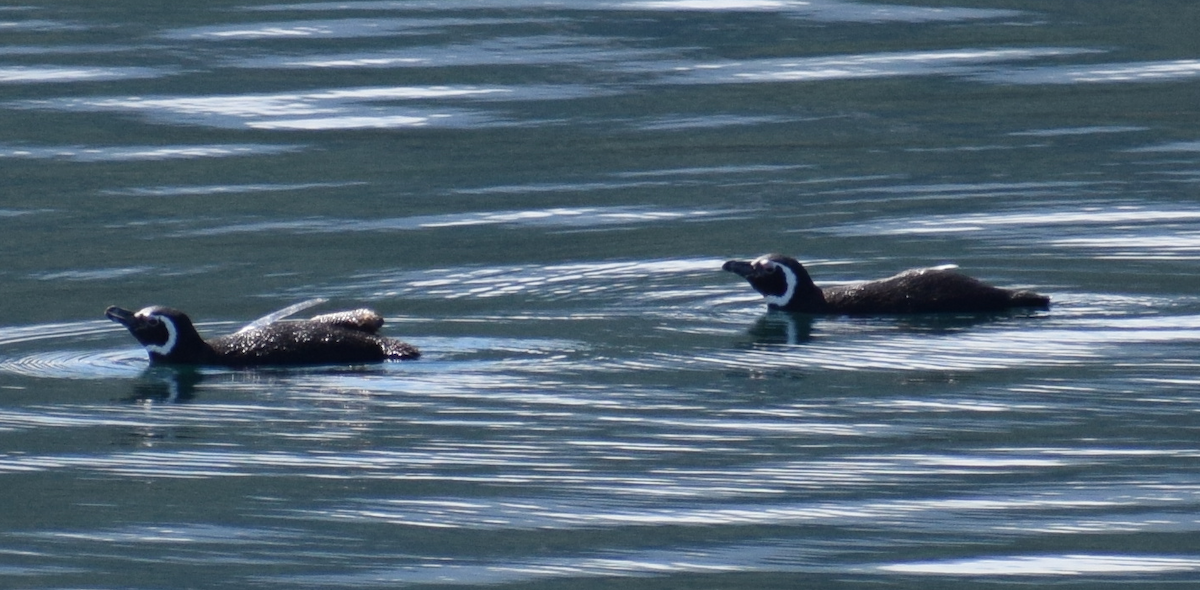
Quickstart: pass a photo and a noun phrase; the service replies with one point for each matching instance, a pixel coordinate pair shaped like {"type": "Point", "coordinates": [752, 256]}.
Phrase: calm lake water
{"type": "Point", "coordinates": [539, 194]}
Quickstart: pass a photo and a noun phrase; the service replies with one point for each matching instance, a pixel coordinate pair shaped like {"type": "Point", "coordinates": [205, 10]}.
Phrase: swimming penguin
{"type": "Point", "coordinates": [347, 337]}
{"type": "Point", "coordinates": [785, 285]}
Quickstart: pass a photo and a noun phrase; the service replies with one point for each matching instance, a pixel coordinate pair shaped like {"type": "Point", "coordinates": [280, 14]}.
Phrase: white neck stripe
{"type": "Point", "coordinates": [782, 300]}
{"type": "Point", "coordinates": [165, 348]}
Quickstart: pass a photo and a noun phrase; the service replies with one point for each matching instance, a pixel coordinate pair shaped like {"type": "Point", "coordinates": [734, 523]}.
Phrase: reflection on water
{"type": "Point", "coordinates": [1050, 565]}
{"type": "Point", "coordinates": [1105, 73]}
{"type": "Point", "coordinates": [822, 10]}
{"type": "Point", "coordinates": [541, 50]}
{"type": "Point", "coordinates": [223, 189]}
{"type": "Point", "coordinates": [44, 74]}
{"type": "Point", "coordinates": [1070, 131]}
{"type": "Point", "coordinates": [559, 217]}
{"type": "Point", "coordinates": [850, 66]}
{"type": "Point", "coordinates": [1098, 216]}
{"type": "Point", "coordinates": [33, 24]}
{"type": "Point", "coordinates": [1181, 146]}
{"type": "Point", "coordinates": [142, 153]}
{"type": "Point", "coordinates": [782, 328]}
{"type": "Point", "coordinates": [827, 10]}
{"type": "Point", "coordinates": [642, 280]}
{"type": "Point", "coordinates": [1145, 231]}
{"type": "Point", "coordinates": [327, 29]}
{"type": "Point", "coordinates": [530, 442]}
{"type": "Point", "coordinates": [540, 193]}
{"type": "Point", "coordinates": [329, 109]}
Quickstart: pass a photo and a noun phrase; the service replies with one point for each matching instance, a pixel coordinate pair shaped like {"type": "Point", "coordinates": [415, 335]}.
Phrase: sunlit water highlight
{"type": "Point", "coordinates": [540, 194]}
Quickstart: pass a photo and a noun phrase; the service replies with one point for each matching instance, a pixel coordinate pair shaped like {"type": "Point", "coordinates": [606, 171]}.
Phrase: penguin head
{"type": "Point", "coordinates": [167, 334]}
{"type": "Point", "coordinates": [782, 281]}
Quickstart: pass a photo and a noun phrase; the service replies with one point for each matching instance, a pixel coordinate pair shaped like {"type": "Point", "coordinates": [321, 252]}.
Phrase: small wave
{"type": "Point", "coordinates": [547, 49]}
{"type": "Point", "coordinates": [681, 123]}
{"type": "Point", "coordinates": [418, 570]}
{"type": "Point", "coordinates": [75, 153]}
{"type": "Point", "coordinates": [552, 282]}
{"type": "Point", "coordinates": [224, 189]}
{"type": "Point", "coordinates": [1172, 147]}
{"type": "Point", "coordinates": [60, 74]}
{"type": "Point", "coordinates": [906, 354]}
{"type": "Point", "coordinates": [784, 344]}
{"type": "Point", "coordinates": [1102, 73]}
{"type": "Point", "coordinates": [332, 108]}
{"type": "Point", "coordinates": [77, 364]}
{"type": "Point", "coordinates": [560, 217]}
{"type": "Point", "coordinates": [175, 533]}
{"type": "Point", "coordinates": [842, 67]}
{"type": "Point", "coordinates": [345, 28]}
{"type": "Point", "coordinates": [1049, 565]}
{"type": "Point", "coordinates": [824, 10]}
{"type": "Point", "coordinates": [1073, 131]}
{"type": "Point", "coordinates": [1110, 231]}
{"type": "Point", "coordinates": [16, 334]}
{"type": "Point", "coordinates": [98, 274]}
{"type": "Point", "coordinates": [1098, 217]}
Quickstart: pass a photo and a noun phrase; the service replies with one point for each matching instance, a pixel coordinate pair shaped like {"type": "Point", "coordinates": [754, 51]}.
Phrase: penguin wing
{"type": "Point", "coordinates": [275, 316]}
{"type": "Point", "coordinates": [361, 320]}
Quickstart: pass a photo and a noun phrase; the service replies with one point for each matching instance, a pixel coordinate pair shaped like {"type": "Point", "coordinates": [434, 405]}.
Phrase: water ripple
{"type": "Point", "coordinates": [987, 350]}
{"type": "Point", "coordinates": [538, 50]}
{"type": "Point", "coordinates": [142, 153]}
{"type": "Point", "coordinates": [553, 281]}
{"type": "Point", "coordinates": [818, 10]}
{"type": "Point", "coordinates": [1014, 515]}
{"type": "Point", "coordinates": [178, 533]}
{"type": "Point", "coordinates": [1100, 216]}
{"type": "Point", "coordinates": [1072, 131]}
{"type": "Point", "coordinates": [784, 343]}
{"type": "Point", "coordinates": [433, 570]}
{"type": "Point", "coordinates": [843, 67]}
{"type": "Point", "coordinates": [1143, 231]}
{"type": "Point", "coordinates": [1074, 565]}
{"type": "Point", "coordinates": [77, 364]}
{"type": "Point", "coordinates": [346, 28]}
{"type": "Point", "coordinates": [564, 217]}
{"type": "Point", "coordinates": [38, 25]}
{"type": "Point", "coordinates": [224, 189]}
{"type": "Point", "coordinates": [1102, 73]}
{"type": "Point", "coordinates": [63, 74]}
{"type": "Point", "coordinates": [15, 334]}
{"type": "Point", "coordinates": [826, 10]}
{"type": "Point", "coordinates": [1172, 147]}
{"type": "Point", "coordinates": [335, 108]}
{"type": "Point", "coordinates": [97, 274]}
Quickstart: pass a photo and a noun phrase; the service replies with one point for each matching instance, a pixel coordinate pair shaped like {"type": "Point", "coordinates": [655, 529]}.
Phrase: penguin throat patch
{"type": "Point", "coordinates": [778, 287]}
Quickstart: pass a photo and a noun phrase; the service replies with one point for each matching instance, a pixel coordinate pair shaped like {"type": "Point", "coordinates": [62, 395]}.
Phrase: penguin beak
{"type": "Point", "coordinates": [740, 268]}
{"type": "Point", "coordinates": [124, 317]}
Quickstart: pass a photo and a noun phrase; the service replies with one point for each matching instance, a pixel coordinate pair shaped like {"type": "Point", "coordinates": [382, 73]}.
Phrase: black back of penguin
{"type": "Point", "coordinates": [928, 290]}
{"type": "Point", "coordinates": [308, 343]}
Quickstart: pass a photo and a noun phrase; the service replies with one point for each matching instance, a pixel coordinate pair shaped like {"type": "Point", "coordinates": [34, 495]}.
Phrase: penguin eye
{"type": "Point", "coordinates": [153, 321]}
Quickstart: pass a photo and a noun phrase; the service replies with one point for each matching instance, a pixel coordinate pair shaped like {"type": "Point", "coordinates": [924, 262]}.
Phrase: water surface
{"type": "Point", "coordinates": [540, 196]}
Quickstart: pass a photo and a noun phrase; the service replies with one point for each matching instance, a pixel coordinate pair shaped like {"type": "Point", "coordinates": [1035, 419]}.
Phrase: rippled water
{"type": "Point", "coordinates": [540, 196]}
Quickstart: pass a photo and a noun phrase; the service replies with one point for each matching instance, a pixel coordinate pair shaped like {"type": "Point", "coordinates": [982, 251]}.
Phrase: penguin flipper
{"type": "Point", "coordinates": [275, 316]}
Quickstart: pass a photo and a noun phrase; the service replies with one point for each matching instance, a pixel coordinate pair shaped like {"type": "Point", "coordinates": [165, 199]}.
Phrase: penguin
{"type": "Point", "coordinates": [346, 337]}
{"type": "Point", "coordinates": [785, 285]}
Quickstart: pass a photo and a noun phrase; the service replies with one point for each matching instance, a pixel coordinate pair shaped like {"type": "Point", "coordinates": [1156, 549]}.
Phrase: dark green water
{"type": "Point", "coordinates": [540, 196]}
